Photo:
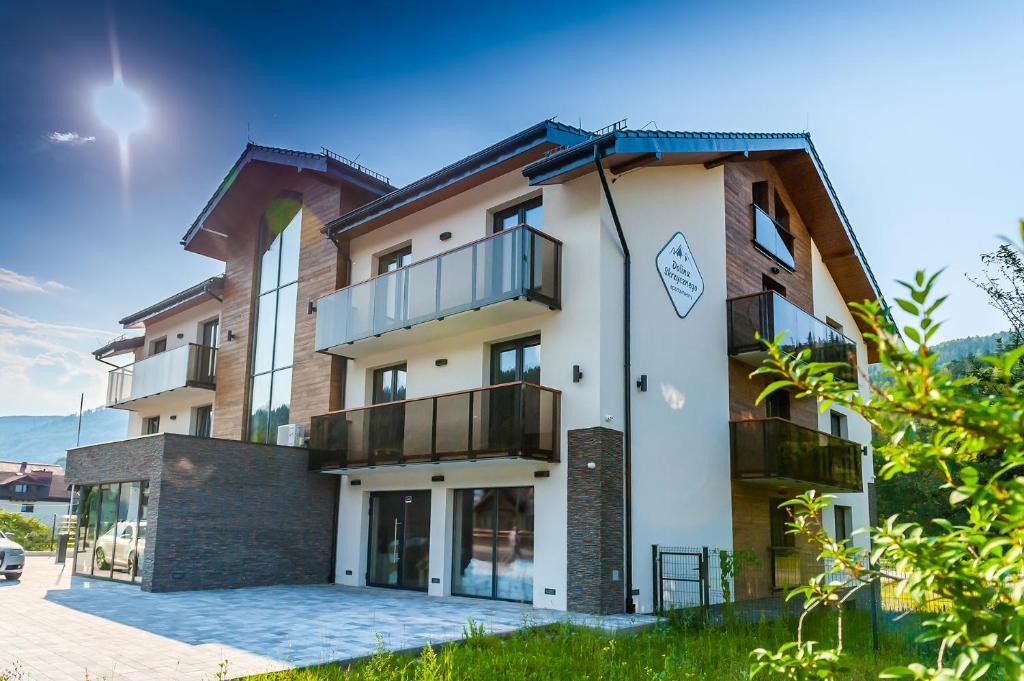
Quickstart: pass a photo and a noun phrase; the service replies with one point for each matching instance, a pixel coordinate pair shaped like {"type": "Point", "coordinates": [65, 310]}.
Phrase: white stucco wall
{"type": "Point", "coordinates": [681, 469]}
{"type": "Point", "coordinates": [829, 302]}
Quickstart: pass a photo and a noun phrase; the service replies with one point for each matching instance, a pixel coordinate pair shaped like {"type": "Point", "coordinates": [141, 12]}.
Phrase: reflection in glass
{"type": "Point", "coordinates": [270, 266]}
{"type": "Point", "coordinates": [492, 543]}
{"type": "Point", "coordinates": [265, 315]}
{"type": "Point", "coordinates": [86, 530]}
{"type": "Point", "coordinates": [111, 534]}
{"type": "Point", "coordinates": [290, 251]}
{"type": "Point", "coordinates": [105, 530]}
{"type": "Point", "coordinates": [259, 414]}
{"type": "Point", "coordinates": [285, 336]}
{"type": "Point", "coordinates": [399, 539]}
{"type": "Point", "coordinates": [280, 393]}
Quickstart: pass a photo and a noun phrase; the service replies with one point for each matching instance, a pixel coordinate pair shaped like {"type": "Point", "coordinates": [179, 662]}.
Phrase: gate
{"type": "Point", "coordinates": [680, 577]}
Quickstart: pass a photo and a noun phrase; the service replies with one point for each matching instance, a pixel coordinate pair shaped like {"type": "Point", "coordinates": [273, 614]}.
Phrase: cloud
{"type": "Point", "coordinates": [44, 366]}
{"type": "Point", "coordinates": [72, 139]}
{"type": "Point", "coordinates": [23, 283]}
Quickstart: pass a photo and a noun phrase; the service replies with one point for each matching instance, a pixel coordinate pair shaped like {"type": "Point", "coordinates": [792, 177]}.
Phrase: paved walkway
{"type": "Point", "coordinates": [117, 632]}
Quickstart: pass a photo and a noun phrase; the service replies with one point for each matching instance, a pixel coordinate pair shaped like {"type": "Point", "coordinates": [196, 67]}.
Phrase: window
{"type": "Point", "coordinates": [202, 421]}
{"type": "Point", "coordinates": [208, 333]}
{"type": "Point", "coordinates": [844, 522]}
{"type": "Point", "coordinates": [110, 539]}
{"type": "Point", "coordinates": [759, 190]}
{"type": "Point", "coordinates": [781, 213]}
{"type": "Point", "coordinates": [28, 508]}
{"type": "Point", "coordinates": [151, 425]}
{"type": "Point", "coordinates": [837, 423]}
{"type": "Point", "coordinates": [769, 284]}
{"type": "Point", "coordinates": [389, 384]}
{"type": "Point", "coordinates": [526, 213]}
{"type": "Point", "coordinates": [394, 260]}
{"type": "Point", "coordinates": [517, 360]}
{"type": "Point", "coordinates": [20, 488]}
{"type": "Point", "coordinates": [158, 346]}
{"type": "Point", "coordinates": [777, 405]}
{"type": "Point", "coordinates": [834, 324]}
{"type": "Point", "coordinates": [492, 543]}
{"type": "Point", "coordinates": [387, 423]}
{"type": "Point", "coordinates": [273, 340]}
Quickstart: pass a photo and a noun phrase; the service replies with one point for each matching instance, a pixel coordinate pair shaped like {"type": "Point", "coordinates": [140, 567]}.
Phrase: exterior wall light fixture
{"type": "Point", "coordinates": [577, 373]}
{"type": "Point", "coordinates": [641, 384]}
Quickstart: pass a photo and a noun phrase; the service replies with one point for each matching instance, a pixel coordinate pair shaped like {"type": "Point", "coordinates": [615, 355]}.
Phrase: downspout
{"type": "Point", "coordinates": [627, 391]}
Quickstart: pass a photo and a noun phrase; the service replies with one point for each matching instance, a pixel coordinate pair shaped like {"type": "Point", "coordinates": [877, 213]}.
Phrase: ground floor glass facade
{"type": "Point", "coordinates": [111, 535]}
{"type": "Point", "coordinates": [492, 543]}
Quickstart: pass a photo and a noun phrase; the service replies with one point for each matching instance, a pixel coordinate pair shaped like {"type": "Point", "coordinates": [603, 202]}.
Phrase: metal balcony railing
{"type": "Point", "coordinates": [518, 262]}
{"type": "Point", "coordinates": [774, 449]}
{"type": "Point", "coordinates": [516, 419]}
{"type": "Point", "coordinates": [771, 316]}
{"type": "Point", "coordinates": [773, 238]}
{"type": "Point", "coordinates": [191, 365]}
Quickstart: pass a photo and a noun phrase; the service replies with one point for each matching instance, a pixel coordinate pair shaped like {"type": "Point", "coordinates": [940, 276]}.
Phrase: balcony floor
{"type": "Point", "coordinates": [184, 396]}
{"type": "Point", "coordinates": [793, 485]}
{"type": "Point", "coordinates": [426, 332]}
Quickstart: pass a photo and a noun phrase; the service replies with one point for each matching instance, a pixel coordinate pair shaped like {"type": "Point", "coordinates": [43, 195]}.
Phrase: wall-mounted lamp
{"type": "Point", "coordinates": [577, 373]}
{"type": "Point", "coordinates": [445, 236]}
{"type": "Point", "coordinates": [355, 483]}
{"type": "Point", "coordinates": [591, 465]}
{"type": "Point", "coordinates": [775, 270]}
{"type": "Point", "coordinates": [641, 384]}
{"type": "Point", "coordinates": [436, 478]}
{"type": "Point", "coordinates": [174, 417]}
{"type": "Point", "coordinates": [864, 450]}
{"type": "Point", "coordinates": [180, 336]}
{"type": "Point", "coordinates": [542, 474]}
{"type": "Point", "coordinates": [310, 307]}
{"type": "Point", "coordinates": [443, 362]}
{"type": "Point", "coordinates": [231, 335]}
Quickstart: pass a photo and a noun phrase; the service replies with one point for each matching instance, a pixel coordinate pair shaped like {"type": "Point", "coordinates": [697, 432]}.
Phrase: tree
{"type": "Point", "coordinates": [1003, 280]}
{"type": "Point", "coordinates": [931, 421]}
{"type": "Point", "coordinates": [29, 532]}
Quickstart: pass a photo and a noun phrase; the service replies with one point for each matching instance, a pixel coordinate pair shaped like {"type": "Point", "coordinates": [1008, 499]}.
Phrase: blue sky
{"type": "Point", "coordinates": [915, 108]}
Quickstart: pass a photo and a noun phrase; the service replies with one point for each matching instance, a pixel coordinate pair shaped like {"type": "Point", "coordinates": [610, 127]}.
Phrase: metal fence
{"type": "Point", "coordinates": [756, 584]}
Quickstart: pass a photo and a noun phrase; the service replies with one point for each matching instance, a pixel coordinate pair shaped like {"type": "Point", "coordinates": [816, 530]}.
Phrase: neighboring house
{"type": "Point", "coordinates": [517, 374]}
{"type": "Point", "coordinates": [34, 490]}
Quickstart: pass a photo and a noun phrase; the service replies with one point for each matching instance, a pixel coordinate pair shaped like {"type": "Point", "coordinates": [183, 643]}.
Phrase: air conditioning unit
{"type": "Point", "coordinates": [291, 435]}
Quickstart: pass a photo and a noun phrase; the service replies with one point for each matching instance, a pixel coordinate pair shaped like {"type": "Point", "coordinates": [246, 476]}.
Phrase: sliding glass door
{"type": "Point", "coordinates": [111, 536]}
{"type": "Point", "coordinates": [492, 543]}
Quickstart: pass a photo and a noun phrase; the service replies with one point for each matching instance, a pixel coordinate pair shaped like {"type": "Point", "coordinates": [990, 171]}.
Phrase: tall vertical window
{"type": "Point", "coordinates": [271, 388]}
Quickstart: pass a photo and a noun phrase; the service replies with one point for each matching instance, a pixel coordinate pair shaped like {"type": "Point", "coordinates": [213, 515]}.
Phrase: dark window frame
{"type": "Point", "coordinates": [520, 209]}
{"type": "Point", "coordinates": [160, 343]}
{"type": "Point", "coordinates": [838, 418]}
{"type": "Point", "coordinates": [379, 372]}
{"type": "Point", "coordinates": [520, 344]}
{"type": "Point", "coordinates": [148, 424]}
{"type": "Point", "coordinates": [394, 255]}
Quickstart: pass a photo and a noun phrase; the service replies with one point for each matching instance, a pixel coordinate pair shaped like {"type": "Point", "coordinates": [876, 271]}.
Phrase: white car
{"type": "Point", "coordinates": [12, 558]}
{"type": "Point", "coordinates": [125, 557]}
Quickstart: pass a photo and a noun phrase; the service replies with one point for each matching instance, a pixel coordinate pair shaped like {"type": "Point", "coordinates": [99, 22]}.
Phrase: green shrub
{"type": "Point", "coordinates": [29, 532]}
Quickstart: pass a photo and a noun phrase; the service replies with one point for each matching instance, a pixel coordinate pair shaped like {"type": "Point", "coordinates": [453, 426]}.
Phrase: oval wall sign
{"type": "Point", "coordinates": [679, 274]}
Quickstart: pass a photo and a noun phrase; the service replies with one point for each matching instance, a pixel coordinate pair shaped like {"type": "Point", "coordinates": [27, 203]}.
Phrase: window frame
{"type": "Point", "coordinates": [148, 422]}
{"type": "Point", "coordinates": [400, 251]}
{"type": "Point", "coordinates": [28, 507]}
{"type": "Point", "coordinates": [520, 209]}
{"type": "Point", "coordinates": [153, 344]}
{"type": "Point", "coordinates": [842, 419]}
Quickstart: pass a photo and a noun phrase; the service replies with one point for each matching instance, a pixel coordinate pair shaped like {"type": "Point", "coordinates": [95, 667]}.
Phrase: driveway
{"type": "Point", "coordinates": [116, 631]}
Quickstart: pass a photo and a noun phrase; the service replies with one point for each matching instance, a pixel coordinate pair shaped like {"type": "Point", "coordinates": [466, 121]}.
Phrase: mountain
{"type": "Point", "coordinates": [44, 439]}
{"type": "Point", "coordinates": [972, 346]}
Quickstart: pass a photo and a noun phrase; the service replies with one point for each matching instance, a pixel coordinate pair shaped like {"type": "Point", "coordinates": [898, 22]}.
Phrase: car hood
{"type": "Point", "coordinates": [8, 544]}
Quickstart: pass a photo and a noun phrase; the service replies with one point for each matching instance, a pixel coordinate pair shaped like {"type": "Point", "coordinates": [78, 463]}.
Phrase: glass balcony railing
{"type": "Point", "coordinates": [771, 316]}
{"type": "Point", "coordinates": [778, 450]}
{"type": "Point", "coordinates": [516, 263]}
{"type": "Point", "coordinates": [190, 365]}
{"type": "Point", "coordinates": [773, 238]}
{"type": "Point", "coordinates": [509, 420]}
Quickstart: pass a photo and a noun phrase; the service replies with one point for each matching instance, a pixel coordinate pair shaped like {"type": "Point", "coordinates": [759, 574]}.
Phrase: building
{"type": "Point", "coordinates": [34, 490]}
{"type": "Point", "coordinates": [517, 374]}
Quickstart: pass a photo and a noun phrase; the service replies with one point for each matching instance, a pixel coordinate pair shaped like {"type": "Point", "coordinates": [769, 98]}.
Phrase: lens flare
{"type": "Point", "coordinates": [120, 108]}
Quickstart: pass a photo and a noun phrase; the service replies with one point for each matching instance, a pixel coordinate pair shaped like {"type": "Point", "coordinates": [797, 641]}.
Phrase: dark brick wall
{"type": "Point", "coordinates": [595, 521]}
{"type": "Point", "coordinates": [222, 513]}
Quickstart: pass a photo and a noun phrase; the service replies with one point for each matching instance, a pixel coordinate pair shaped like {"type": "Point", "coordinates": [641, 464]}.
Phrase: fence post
{"type": "Point", "coordinates": [655, 582]}
{"type": "Point", "coordinates": [705, 587]}
{"type": "Point", "coordinates": [876, 597]}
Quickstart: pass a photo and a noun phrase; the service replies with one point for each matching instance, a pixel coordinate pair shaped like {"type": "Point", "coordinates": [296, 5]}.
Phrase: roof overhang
{"type": "Point", "coordinates": [792, 154]}
{"type": "Point", "coordinates": [207, 289]}
{"type": "Point", "coordinates": [262, 172]}
{"type": "Point", "coordinates": [505, 156]}
{"type": "Point", "coordinates": [119, 346]}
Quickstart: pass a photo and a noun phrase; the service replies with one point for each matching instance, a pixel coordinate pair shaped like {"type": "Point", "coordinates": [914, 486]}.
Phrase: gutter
{"type": "Point", "coordinates": [627, 393]}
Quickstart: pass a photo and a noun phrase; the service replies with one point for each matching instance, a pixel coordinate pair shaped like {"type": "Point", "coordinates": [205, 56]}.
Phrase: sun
{"type": "Point", "coordinates": [121, 109]}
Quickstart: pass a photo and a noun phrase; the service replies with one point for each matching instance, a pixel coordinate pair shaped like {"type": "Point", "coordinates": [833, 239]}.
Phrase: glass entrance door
{"type": "Point", "coordinates": [399, 549]}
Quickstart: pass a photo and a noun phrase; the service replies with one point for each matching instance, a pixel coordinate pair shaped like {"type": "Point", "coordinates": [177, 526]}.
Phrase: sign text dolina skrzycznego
{"type": "Point", "coordinates": [680, 275]}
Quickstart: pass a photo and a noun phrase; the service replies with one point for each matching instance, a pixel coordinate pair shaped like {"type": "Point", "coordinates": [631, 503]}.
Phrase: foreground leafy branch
{"type": "Point", "coordinates": [929, 421]}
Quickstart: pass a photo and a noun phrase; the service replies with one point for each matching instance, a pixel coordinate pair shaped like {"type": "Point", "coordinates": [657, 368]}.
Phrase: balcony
{"type": "Point", "coordinates": [780, 453]}
{"type": "Point", "coordinates": [513, 420]}
{"type": "Point", "coordinates": [773, 238]}
{"type": "Point", "coordinates": [518, 268]}
{"type": "Point", "coordinates": [772, 316]}
{"type": "Point", "coordinates": [182, 370]}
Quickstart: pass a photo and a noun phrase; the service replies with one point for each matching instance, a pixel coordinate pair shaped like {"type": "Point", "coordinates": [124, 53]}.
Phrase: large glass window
{"type": "Point", "coordinates": [274, 337]}
{"type": "Point", "coordinates": [492, 543]}
{"type": "Point", "coordinates": [111, 535]}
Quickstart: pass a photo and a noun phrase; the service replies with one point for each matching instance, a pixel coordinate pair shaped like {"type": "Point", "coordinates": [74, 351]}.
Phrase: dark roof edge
{"type": "Point", "coordinates": [119, 345]}
{"type": "Point", "coordinates": [630, 141]}
{"type": "Point", "coordinates": [324, 161]}
{"type": "Point", "coordinates": [464, 167]}
{"type": "Point", "coordinates": [215, 283]}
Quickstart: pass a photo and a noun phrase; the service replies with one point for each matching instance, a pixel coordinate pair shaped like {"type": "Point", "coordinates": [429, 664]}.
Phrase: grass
{"type": "Point", "coordinates": [679, 650]}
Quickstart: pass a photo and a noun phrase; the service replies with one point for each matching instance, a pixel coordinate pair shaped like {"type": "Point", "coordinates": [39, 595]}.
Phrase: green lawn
{"type": "Point", "coordinates": [669, 651]}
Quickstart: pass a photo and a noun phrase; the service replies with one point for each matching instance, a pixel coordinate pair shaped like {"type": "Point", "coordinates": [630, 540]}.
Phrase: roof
{"type": "Point", "coordinates": [51, 475]}
{"type": "Point", "coordinates": [325, 161]}
{"type": "Point", "coordinates": [476, 168]}
{"type": "Point", "coordinates": [119, 345]}
{"type": "Point", "coordinates": [206, 287]}
{"type": "Point", "coordinates": [794, 155]}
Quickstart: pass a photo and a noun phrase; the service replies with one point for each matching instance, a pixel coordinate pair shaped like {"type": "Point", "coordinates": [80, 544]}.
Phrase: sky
{"type": "Point", "coordinates": [915, 108]}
